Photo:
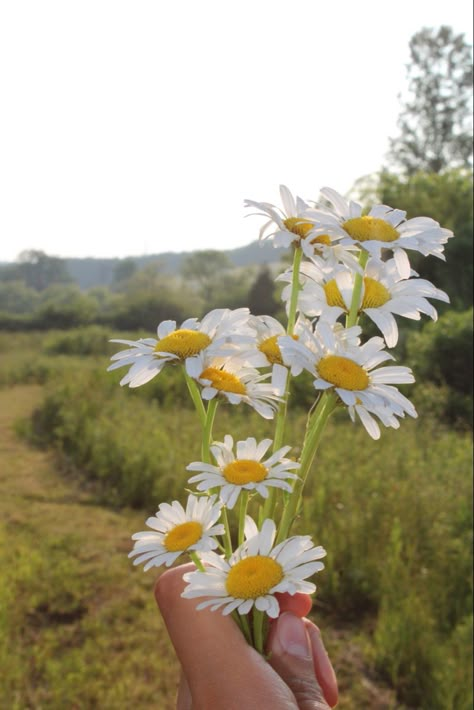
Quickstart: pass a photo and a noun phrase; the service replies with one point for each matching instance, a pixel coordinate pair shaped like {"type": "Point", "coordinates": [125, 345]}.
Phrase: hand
{"type": "Point", "coordinates": [222, 672]}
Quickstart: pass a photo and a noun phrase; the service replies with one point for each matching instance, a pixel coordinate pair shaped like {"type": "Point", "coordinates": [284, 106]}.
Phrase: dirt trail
{"type": "Point", "coordinates": [82, 629]}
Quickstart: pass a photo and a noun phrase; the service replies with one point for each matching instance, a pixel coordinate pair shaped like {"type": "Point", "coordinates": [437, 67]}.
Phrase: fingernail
{"type": "Point", "coordinates": [291, 635]}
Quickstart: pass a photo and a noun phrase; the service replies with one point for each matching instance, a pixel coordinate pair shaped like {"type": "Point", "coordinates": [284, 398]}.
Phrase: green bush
{"type": "Point", "coordinates": [441, 355]}
{"type": "Point", "coordinates": [90, 340]}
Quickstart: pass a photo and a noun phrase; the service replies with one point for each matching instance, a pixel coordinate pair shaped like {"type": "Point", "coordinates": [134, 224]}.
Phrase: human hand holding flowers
{"type": "Point", "coordinates": [221, 671]}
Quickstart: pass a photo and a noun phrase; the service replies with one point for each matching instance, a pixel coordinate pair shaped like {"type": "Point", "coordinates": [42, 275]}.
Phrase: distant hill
{"type": "Point", "coordinates": [90, 272]}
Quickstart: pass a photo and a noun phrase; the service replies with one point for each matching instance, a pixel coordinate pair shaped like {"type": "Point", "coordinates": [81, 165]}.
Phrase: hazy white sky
{"type": "Point", "coordinates": [140, 127]}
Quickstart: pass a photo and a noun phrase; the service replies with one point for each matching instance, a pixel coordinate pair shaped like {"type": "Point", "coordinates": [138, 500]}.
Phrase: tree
{"type": "Point", "coordinates": [202, 266]}
{"type": "Point", "coordinates": [436, 119]}
{"type": "Point", "coordinates": [37, 270]}
{"type": "Point", "coordinates": [124, 270]}
{"type": "Point", "coordinates": [447, 198]}
{"type": "Point", "coordinates": [261, 298]}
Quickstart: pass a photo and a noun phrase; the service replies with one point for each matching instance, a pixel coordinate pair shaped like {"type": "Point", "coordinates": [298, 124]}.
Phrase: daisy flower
{"type": "Point", "coordinates": [217, 333]}
{"type": "Point", "coordinates": [384, 294]}
{"type": "Point", "coordinates": [176, 530]}
{"type": "Point", "coordinates": [383, 228]}
{"type": "Point", "coordinates": [353, 374]}
{"type": "Point", "coordinates": [234, 380]}
{"type": "Point", "coordinates": [267, 331]}
{"type": "Point", "coordinates": [255, 572]}
{"type": "Point", "coordinates": [245, 470]}
{"type": "Point", "coordinates": [290, 224]}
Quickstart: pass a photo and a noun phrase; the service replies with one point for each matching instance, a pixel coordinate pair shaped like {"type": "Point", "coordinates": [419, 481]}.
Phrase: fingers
{"type": "Point", "coordinates": [296, 651]}
{"type": "Point", "coordinates": [322, 665]}
{"type": "Point", "coordinates": [222, 670]}
{"type": "Point", "coordinates": [299, 604]}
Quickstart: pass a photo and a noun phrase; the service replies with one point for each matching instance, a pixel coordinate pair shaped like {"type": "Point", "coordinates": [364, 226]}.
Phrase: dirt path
{"type": "Point", "coordinates": [80, 628]}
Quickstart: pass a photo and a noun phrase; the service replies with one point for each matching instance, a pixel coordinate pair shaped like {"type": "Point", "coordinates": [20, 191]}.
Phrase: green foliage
{"type": "Point", "coordinates": [447, 198]}
{"type": "Point", "coordinates": [91, 340]}
{"type": "Point", "coordinates": [442, 354]}
{"type": "Point", "coordinates": [202, 266]}
{"type": "Point", "coordinates": [261, 298]}
{"type": "Point", "coordinates": [37, 270]}
{"type": "Point", "coordinates": [124, 270]}
{"type": "Point", "coordinates": [16, 297]}
{"type": "Point", "coordinates": [127, 457]}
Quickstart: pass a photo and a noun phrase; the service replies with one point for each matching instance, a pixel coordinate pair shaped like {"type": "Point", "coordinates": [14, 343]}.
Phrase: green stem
{"type": "Point", "coordinates": [207, 430]}
{"type": "Point", "coordinates": [197, 561]}
{"type": "Point", "coordinates": [196, 397]}
{"type": "Point", "coordinates": [295, 287]}
{"type": "Point", "coordinates": [227, 537]}
{"type": "Point", "coordinates": [243, 622]}
{"type": "Point", "coordinates": [326, 406]}
{"type": "Point", "coordinates": [352, 317]}
{"type": "Point", "coordinates": [269, 505]}
{"type": "Point", "coordinates": [244, 499]}
{"type": "Point", "coordinates": [258, 635]}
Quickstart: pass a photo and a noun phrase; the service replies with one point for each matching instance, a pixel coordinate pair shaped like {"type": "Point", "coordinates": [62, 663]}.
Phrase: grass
{"type": "Point", "coordinates": [78, 627]}
{"type": "Point", "coordinates": [395, 516]}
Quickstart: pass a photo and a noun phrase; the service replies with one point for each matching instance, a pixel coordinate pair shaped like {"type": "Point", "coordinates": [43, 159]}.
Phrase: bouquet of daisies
{"type": "Point", "coordinates": [346, 264]}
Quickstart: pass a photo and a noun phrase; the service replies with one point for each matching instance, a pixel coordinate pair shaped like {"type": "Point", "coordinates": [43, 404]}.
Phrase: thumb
{"type": "Point", "coordinates": [291, 657]}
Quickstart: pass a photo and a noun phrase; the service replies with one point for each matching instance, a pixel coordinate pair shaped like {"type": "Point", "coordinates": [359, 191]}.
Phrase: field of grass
{"type": "Point", "coordinates": [78, 626]}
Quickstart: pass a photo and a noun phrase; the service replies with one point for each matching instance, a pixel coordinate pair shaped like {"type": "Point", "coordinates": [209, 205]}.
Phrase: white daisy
{"type": "Point", "coordinates": [383, 228]}
{"type": "Point", "coordinates": [267, 331]}
{"type": "Point", "coordinates": [350, 372]}
{"type": "Point", "coordinates": [255, 572]}
{"type": "Point", "coordinates": [245, 470]}
{"type": "Point", "coordinates": [237, 382]}
{"type": "Point", "coordinates": [218, 333]}
{"type": "Point", "coordinates": [384, 293]}
{"type": "Point", "coordinates": [290, 224]}
{"type": "Point", "coordinates": [176, 530]}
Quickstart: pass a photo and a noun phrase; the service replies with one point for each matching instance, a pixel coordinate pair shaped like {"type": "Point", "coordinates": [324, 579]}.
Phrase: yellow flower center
{"type": "Point", "coordinates": [183, 343]}
{"type": "Point", "coordinates": [244, 471]}
{"type": "Point", "coordinates": [343, 372]}
{"type": "Point", "coordinates": [183, 536]}
{"type": "Point", "coordinates": [375, 294]}
{"type": "Point", "coordinates": [298, 226]}
{"type": "Point", "coordinates": [253, 577]}
{"type": "Point", "coordinates": [270, 348]}
{"type": "Point", "coordinates": [333, 295]}
{"type": "Point", "coordinates": [363, 229]}
{"type": "Point", "coordinates": [223, 381]}
{"type": "Point", "coordinates": [322, 239]}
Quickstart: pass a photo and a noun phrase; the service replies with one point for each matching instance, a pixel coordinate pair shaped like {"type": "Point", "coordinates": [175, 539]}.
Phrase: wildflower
{"type": "Point", "coordinates": [218, 333]}
{"type": "Point", "coordinates": [176, 530]}
{"type": "Point", "coordinates": [384, 294]}
{"type": "Point", "coordinates": [292, 224]}
{"type": "Point", "coordinates": [234, 380]}
{"type": "Point", "coordinates": [352, 372]}
{"type": "Point", "coordinates": [256, 572]}
{"type": "Point", "coordinates": [382, 228]}
{"type": "Point", "coordinates": [267, 332]}
{"type": "Point", "coordinates": [245, 470]}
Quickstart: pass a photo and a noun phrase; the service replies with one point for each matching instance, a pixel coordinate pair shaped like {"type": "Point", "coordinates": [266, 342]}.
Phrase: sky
{"type": "Point", "coordinates": [133, 128]}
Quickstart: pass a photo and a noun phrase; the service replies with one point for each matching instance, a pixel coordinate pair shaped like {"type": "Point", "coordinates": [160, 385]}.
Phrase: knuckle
{"type": "Point", "coordinates": [308, 693]}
